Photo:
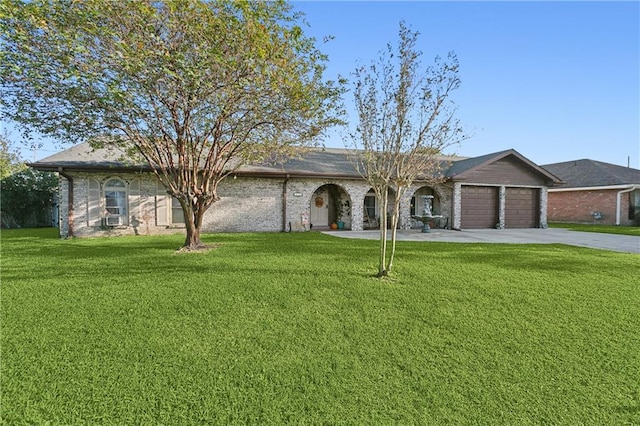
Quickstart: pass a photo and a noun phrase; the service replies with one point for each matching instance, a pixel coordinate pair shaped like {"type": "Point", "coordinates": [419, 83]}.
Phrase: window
{"type": "Point", "coordinates": [115, 203]}
{"type": "Point", "coordinates": [370, 206]}
{"type": "Point", "coordinates": [177, 215]}
{"type": "Point", "coordinates": [634, 206]}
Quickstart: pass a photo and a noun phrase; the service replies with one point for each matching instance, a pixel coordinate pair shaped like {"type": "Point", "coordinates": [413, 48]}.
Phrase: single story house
{"type": "Point", "coordinates": [594, 192]}
{"type": "Point", "coordinates": [102, 195]}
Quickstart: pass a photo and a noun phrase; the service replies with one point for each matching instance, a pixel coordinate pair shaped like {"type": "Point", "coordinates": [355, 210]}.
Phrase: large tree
{"type": "Point", "coordinates": [405, 121]}
{"type": "Point", "coordinates": [196, 88]}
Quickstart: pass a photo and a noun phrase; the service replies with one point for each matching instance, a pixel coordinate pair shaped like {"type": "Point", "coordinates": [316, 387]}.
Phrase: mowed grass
{"type": "Point", "coordinates": [293, 328]}
{"type": "Point", "coordinates": [603, 229]}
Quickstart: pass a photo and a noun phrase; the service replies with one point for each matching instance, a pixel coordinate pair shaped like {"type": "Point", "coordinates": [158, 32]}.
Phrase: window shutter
{"type": "Point", "coordinates": [147, 202]}
{"type": "Point", "coordinates": [134, 200]}
{"type": "Point", "coordinates": [163, 203]}
{"type": "Point", "coordinates": [94, 211]}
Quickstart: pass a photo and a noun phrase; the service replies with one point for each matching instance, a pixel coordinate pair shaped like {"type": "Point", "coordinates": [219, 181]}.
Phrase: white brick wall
{"type": "Point", "coordinates": [246, 204]}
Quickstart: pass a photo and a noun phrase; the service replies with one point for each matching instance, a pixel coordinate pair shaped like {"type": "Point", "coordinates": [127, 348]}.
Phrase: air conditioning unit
{"type": "Point", "coordinates": [114, 220]}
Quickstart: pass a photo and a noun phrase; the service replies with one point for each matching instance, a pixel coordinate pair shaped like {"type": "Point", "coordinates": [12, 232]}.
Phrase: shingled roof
{"type": "Point", "coordinates": [83, 157]}
{"type": "Point", "coordinates": [590, 173]}
{"type": "Point", "coordinates": [321, 162]}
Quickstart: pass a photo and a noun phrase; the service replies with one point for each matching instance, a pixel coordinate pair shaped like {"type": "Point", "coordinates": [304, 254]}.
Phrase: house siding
{"type": "Point", "coordinates": [506, 171]}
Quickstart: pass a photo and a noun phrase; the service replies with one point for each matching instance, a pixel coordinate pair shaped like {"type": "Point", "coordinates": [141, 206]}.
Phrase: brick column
{"type": "Point", "coordinates": [543, 207]}
{"type": "Point", "coordinates": [456, 219]}
{"type": "Point", "coordinates": [502, 197]}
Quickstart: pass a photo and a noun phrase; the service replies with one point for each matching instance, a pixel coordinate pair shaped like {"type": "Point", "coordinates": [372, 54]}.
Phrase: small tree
{"type": "Point", "coordinates": [405, 121]}
{"type": "Point", "coordinates": [10, 161]}
{"type": "Point", "coordinates": [195, 88]}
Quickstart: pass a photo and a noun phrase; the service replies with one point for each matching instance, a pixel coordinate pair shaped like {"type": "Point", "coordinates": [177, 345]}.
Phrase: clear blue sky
{"type": "Point", "coordinates": [556, 81]}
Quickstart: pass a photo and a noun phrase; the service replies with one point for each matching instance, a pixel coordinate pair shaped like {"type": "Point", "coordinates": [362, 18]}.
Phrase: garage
{"type": "Point", "coordinates": [479, 207]}
{"type": "Point", "coordinates": [521, 208]}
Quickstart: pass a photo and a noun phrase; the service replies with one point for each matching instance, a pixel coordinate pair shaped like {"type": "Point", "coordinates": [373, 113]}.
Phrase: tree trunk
{"type": "Point", "coordinates": [382, 268]}
{"type": "Point", "coordinates": [192, 242]}
{"type": "Point", "coordinates": [394, 227]}
{"type": "Point", "coordinates": [394, 231]}
{"type": "Point", "coordinates": [193, 221]}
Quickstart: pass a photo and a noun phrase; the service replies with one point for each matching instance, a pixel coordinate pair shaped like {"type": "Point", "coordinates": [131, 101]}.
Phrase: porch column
{"type": "Point", "coordinates": [357, 213]}
{"type": "Point", "coordinates": [356, 192]}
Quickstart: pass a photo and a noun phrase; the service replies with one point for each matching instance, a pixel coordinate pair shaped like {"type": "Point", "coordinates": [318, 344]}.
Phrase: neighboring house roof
{"type": "Point", "coordinates": [590, 173]}
{"type": "Point", "coordinates": [322, 162]}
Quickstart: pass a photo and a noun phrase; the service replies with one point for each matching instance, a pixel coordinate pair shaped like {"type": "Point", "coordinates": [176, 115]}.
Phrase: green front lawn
{"type": "Point", "coordinates": [604, 229]}
{"type": "Point", "coordinates": [293, 328]}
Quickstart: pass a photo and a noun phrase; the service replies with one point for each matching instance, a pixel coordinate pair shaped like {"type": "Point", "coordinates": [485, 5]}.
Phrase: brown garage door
{"type": "Point", "coordinates": [521, 208]}
{"type": "Point", "coordinates": [479, 207]}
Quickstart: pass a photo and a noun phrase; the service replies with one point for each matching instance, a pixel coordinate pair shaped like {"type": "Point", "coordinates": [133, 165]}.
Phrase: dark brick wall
{"type": "Point", "coordinates": [579, 206]}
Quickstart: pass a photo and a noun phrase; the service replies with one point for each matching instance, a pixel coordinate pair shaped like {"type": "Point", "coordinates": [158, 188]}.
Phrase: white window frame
{"type": "Point", "coordinates": [176, 207]}
{"type": "Point", "coordinates": [370, 196]}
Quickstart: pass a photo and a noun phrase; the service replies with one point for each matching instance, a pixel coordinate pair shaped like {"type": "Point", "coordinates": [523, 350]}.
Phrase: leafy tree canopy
{"type": "Point", "coordinates": [10, 161]}
{"type": "Point", "coordinates": [197, 88]}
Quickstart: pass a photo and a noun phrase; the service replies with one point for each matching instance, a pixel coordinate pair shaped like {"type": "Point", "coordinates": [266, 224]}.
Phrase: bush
{"type": "Point", "coordinates": [26, 199]}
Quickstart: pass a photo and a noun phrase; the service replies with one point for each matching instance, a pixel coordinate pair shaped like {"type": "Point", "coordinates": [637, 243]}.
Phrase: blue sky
{"type": "Point", "coordinates": [556, 81]}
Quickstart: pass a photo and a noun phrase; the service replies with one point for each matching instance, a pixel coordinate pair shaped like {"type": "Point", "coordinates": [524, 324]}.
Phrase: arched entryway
{"type": "Point", "coordinates": [330, 204]}
{"type": "Point", "coordinates": [371, 210]}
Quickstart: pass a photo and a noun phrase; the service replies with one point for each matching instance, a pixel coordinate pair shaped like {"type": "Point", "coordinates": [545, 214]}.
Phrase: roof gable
{"type": "Point", "coordinates": [465, 169]}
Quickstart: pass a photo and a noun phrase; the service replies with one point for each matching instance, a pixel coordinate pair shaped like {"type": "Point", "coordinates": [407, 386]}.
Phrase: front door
{"type": "Point", "coordinates": [320, 208]}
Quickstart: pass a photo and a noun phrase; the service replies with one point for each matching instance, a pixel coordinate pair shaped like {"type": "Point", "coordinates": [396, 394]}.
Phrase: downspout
{"type": "Point", "coordinates": [69, 200]}
{"type": "Point", "coordinates": [619, 200]}
{"type": "Point", "coordinates": [284, 203]}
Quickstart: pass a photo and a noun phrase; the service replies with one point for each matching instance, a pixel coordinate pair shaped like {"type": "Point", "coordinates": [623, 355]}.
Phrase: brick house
{"type": "Point", "coordinates": [594, 192]}
{"type": "Point", "coordinates": [100, 194]}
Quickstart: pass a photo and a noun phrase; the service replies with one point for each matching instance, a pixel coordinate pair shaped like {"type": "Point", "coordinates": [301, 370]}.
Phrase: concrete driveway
{"type": "Point", "coordinates": [613, 242]}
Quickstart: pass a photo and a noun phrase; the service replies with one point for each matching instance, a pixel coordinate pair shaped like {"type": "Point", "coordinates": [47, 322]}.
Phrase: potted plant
{"type": "Point", "coordinates": [343, 210]}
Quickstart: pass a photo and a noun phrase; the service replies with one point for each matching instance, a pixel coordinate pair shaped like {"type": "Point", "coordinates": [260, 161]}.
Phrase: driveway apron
{"type": "Point", "coordinates": [612, 242]}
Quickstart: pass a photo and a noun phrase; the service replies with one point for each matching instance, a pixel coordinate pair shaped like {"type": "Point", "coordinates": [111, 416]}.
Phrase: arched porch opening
{"type": "Point", "coordinates": [371, 209]}
{"type": "Point", "coordinates": [330, 208]}
{"type": "Point", "coordinates": [418, 201]}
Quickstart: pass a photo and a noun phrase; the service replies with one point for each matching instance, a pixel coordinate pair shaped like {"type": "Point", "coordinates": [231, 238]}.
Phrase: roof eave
{"type": "Point", "coordinates": [51, 167]}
